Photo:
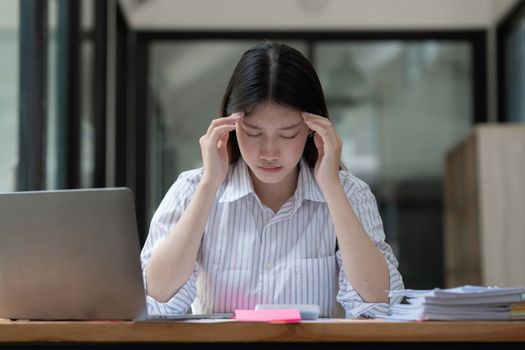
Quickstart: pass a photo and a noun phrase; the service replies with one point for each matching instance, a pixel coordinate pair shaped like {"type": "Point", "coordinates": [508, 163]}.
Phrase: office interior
{"type": "Point", "coordinates": [98, 93]}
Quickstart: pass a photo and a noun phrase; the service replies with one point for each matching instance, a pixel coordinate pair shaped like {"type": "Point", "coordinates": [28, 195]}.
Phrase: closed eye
{"type": "Point", "coordinates": [251, 135]}
{"type": "Point", "coordinates": [289, 137]}
{"type": "Point", "coordinates": [257, 135]}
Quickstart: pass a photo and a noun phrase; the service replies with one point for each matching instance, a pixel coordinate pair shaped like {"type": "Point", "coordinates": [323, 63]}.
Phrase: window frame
{"type": "Point", "coordinates": [504, 28]}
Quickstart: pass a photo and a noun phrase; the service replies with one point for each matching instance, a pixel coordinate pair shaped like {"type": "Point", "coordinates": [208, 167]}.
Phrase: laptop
{"type": "Point", "coordinates": [70, 255]}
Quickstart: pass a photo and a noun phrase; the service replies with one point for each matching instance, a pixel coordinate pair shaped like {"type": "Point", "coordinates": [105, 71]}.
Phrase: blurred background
{"type": "Point", "coordinates": [100, 93]}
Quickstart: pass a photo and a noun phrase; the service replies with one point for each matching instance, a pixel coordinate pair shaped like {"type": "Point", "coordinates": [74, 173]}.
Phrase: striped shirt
{"type": "Point", "coordinates": [250, 255]}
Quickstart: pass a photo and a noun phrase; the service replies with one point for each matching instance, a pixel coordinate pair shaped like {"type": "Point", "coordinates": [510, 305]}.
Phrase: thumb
{"type": "Point", "coordinates": [223, 141]}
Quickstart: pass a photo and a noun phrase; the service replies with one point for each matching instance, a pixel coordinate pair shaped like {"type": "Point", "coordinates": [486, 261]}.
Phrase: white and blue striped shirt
{"type": "Point", "coordinates": [250, 255]}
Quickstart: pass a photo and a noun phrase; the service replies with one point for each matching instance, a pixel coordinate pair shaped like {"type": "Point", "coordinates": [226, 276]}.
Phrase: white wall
{"type": "Point", "coordinates": [500, 8]}
{"type": "Point", "coordinates": [313, 14]}
{"type": "Point", "coordinates": [300, 14]}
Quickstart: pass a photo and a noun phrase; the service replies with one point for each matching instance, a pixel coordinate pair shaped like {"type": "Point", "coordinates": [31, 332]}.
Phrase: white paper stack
{"type": "Point", "coordinates": [460, 303]}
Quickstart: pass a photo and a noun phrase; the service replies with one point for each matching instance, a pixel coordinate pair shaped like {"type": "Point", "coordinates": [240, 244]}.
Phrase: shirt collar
{"type": "Point", "coordinates": [240, 184]}
{"type": "Point", "coordinates": [307, 187]}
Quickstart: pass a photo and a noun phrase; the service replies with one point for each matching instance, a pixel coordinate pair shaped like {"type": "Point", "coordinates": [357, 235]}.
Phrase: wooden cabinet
{"type": "Point", "coordinates": [484, 214]}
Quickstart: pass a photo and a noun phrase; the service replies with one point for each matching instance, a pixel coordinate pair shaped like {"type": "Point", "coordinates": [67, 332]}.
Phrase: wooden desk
{"type": "Point", "coordinates": [339, 331]}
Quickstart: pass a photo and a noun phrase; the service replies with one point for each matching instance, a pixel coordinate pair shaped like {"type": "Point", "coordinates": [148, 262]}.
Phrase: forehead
{"type": "Point", "coordinates": [272, 114]}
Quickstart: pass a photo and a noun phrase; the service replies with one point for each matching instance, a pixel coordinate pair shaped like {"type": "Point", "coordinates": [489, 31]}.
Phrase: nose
{"type": "Point", "coordinates": [269, 150]}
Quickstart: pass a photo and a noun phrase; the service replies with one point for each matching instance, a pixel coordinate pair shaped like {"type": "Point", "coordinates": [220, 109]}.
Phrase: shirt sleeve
{"type": "Point", "coordinates": [167, 215]}
{"type": "Point", "coordinates": [365, 206]}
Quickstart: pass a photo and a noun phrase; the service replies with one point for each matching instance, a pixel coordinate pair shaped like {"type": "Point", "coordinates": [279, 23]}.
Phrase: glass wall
{"type": "Point", "coordinates": [397, 105]}
{"type": "Point", "coordinates": [9, 99]}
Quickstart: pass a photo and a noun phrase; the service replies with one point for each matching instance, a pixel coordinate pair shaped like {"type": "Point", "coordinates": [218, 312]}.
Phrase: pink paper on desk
{"type": "Point", "coordinates": [275, 315]}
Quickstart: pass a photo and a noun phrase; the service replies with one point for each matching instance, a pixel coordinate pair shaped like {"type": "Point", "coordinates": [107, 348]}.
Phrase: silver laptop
{"type": "Point", "coordinates": [70, 255]}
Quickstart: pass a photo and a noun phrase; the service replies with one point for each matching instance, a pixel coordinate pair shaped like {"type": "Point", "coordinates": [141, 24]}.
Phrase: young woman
{"type": "Point", "coordinates": [271, 217]}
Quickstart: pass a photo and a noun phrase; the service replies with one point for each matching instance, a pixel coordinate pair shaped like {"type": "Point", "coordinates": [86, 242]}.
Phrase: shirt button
{"type": "Point", "coordinates": [269, 266]}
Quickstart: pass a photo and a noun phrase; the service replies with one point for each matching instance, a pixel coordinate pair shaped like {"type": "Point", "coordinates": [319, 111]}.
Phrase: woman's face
{"type": "Point", "coordinates": [271, 140]}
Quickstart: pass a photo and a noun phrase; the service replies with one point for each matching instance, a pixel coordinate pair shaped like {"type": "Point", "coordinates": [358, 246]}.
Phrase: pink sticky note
{"type": "Point", "coordinates": [275, 315]}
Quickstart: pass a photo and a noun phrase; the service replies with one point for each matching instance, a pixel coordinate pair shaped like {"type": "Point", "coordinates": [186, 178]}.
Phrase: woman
{"type": "Point", "coordinates": [271, 217]}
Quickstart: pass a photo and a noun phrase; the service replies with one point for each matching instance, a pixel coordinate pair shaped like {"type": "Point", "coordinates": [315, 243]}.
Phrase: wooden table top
{"type": "Point", "coordinates": [311, 331]}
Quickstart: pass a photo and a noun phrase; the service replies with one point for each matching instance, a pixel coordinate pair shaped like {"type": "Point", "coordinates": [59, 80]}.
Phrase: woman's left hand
{"type": "Point", "coordinates": [329, 147]}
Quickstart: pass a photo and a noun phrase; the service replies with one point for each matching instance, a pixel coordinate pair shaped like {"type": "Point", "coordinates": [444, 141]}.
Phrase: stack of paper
{"type": "Point", "coordinates": [461, 303]}
{"type": "Point", "coordinates": [518, 311]}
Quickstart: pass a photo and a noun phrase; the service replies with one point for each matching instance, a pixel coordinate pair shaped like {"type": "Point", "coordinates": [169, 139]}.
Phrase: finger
{"type": "Point", "coordinates": [323, 122]}
{"type": "Point", "coordinates": [308, 114]}
{"type": "Point", "coordinates": [222, 130]}
{"type": "Point", "coordinates": [315, 117]}
{"type": "Point", "coordinates": [323, 131]}
{"type": "Point", "coordinates": [231, 119]}
{"type": "Point", "coordinates": [223, 140]}
{"type": "Point", "coordinates": [319, 127]}
{"type": "Point", "coordinates": [238, 113]}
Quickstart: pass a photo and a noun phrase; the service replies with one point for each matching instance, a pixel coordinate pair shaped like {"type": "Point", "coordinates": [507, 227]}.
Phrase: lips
{"type": "Point", "coordinates": [270, 168]}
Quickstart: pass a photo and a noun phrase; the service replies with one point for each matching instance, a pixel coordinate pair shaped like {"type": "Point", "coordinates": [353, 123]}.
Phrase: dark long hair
{"type": "Point", "coordinates": [278, 73]}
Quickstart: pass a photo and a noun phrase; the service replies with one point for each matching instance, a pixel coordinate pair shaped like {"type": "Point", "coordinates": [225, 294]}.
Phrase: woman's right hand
{"type": "Point", "coordinates": [214, 150]}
